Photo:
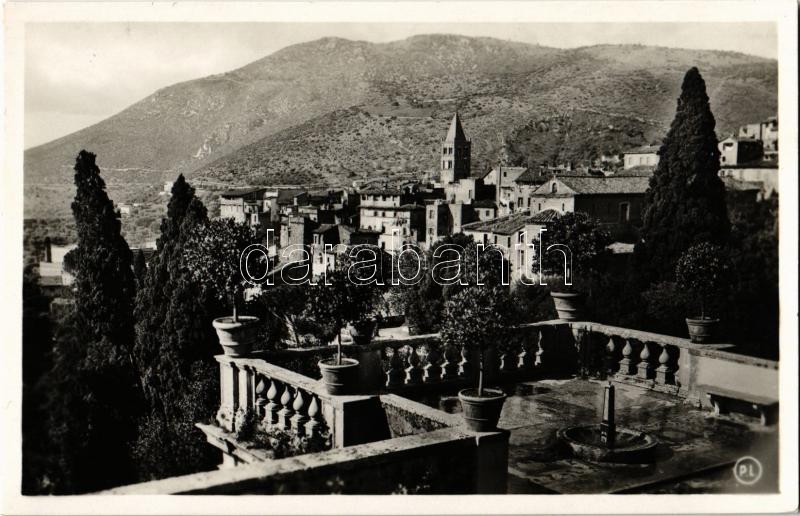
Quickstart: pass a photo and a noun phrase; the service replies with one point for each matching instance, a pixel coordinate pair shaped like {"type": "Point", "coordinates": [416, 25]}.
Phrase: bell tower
{"type": "Point", "coordinates": [455, 162]}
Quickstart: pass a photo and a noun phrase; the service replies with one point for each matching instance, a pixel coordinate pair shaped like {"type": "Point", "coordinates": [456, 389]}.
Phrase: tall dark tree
{"type": "Point", "coordinates": [139, 267]}
{"type": "Point", "coordinates": [96, 395]}
{"type": "Point", "coordinates": [175, 343]}
{"type": "Point", "coordinates": [36, 351]}
{"type": "Point", "coordinates": [685, 203]}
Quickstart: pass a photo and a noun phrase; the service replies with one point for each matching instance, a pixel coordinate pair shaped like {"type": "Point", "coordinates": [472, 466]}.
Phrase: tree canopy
{"type": "Point", "coordinates": [685, 203]}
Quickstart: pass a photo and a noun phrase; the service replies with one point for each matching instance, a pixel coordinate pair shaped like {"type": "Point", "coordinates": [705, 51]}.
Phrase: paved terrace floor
{"type": "Point", "coordinates": [696, 450]}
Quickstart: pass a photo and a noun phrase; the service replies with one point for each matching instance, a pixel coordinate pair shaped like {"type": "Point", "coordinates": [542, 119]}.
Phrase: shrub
{"type": "Point", "coordinates": [703, 270]}
{"type": "Point", "coordinates": [478, 317]}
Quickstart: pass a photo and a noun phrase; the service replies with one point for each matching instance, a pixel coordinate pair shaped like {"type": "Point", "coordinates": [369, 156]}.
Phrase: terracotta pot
{"type": "Point", "coordinates": [482, 413]}
{"type": "Point", "coordinates": [236, 338]}
{"type": "Point", "coordinates": [339, 379]}
{"type": "Point", "coordinates": [362, 331]}
{"type": "Point", "coordinates": [569, 305]}
{"type": "Point", "coordinates": [702, 330]}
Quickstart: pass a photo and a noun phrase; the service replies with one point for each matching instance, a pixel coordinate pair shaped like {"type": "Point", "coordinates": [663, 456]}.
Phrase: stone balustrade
{"type": "Point", "coordinates": [274, 396]}
{"type": "Point", "coordinates": [425, 360]}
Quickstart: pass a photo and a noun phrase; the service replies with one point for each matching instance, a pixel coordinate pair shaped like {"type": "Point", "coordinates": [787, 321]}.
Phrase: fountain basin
{"type": "Point", "coordinates": [631, 446]}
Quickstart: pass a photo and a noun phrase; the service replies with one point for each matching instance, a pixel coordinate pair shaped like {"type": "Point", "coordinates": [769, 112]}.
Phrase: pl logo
{"type": "Point", "coordinates": [747, 470]}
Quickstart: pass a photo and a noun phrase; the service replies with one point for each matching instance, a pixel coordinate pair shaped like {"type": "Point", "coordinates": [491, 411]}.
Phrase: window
{"type": "Point", "coordinates": [624, 212]}
{"type": "Point", "coordinates": [562, 207]}
{"type": "Point", "coordinates": [430, 214]}
{"type": "Point", "coordinates": [495, 239]}
{"type": "Point", "coordinates": [444, 151]}
{"type": "Point", "coordinates": [540, 207]}
{"type": "Point", "coordinates": [554, 188]}
{"type": "Point", "coordinates": [519, 202]}
{"type": "Point", "coordinates": [529, 202]}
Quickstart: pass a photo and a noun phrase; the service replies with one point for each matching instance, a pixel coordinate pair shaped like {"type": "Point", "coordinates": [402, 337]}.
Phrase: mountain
{"type": "Point", "coordinates": [330, 111]}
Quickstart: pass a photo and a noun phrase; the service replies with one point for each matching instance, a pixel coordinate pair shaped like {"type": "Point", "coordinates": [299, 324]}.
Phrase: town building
{"type": "Point", "coordinates": [245, 206]}
{"type": "Point", "coordinates": [515, 236]}
{"type": "Point", "coordinates": [646, 155]}
{"type": "Point", "coordinates": [53, 279]}
{"type": "Point", "coordinates": [504, 178]}
{"type": "Point", "coordinates": [766, 132]}
{"type": "Point", "coordinates": [734, 150]}
{"type": "Point", "coordinates": [615, 201]}
{"type": "Point", "coordinates": [456, 153]}
{"type": "Point", "coordinates": [763, 172]}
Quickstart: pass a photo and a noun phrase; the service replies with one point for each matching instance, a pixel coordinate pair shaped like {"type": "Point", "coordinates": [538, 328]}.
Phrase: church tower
{"type": "Point", "coordinates": [455, 154]}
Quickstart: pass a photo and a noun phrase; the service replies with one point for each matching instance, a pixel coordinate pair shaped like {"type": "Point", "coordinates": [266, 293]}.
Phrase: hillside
{"type": "Point", "coordinates": [331, 111]}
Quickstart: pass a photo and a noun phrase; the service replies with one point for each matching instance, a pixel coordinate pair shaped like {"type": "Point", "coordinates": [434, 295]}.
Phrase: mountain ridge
{"type": "Point", "coordinates": [197, 127]}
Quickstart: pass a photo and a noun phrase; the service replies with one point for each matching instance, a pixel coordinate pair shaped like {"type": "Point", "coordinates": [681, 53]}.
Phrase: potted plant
{"type": "Point", "coordinates": [477, 318]}
{"type": "Point", "coordinates": [364, 264]}
{"type": "Point", "coordinates": [702, 271]}
{"type": "Point", "coordinates": [573, 253]}
{"type": "Point", "coordinates": [213, 255]}
{"type": "Point", "coordinates": [332, 304]}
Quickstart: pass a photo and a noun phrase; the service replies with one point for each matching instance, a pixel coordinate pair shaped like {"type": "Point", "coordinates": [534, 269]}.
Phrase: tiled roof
{"type": "Point", "coordinates": [742, 186]}
{"type": "Point", "coordinates": [532, 177]}
{"type": "Point", "coordinates": [50, 281]}
{"type": "Point", "coordinates": [637, 171]}
{"type": "Point", "coordinates": [603, 185]}
{"type": "Point", "coordinates": [287, 195]}
{"type": "Point", "coordinates": [543, 217]}
{"type": "Point", "coordinates": [381, 191]}
{"type": "Point", "coordinates": [485, 203]}
{"type": "Point", "coordinates": [241, 192]}
{"type": "Point", "coordinates": [511, 223]}
{"type": "Point", "coordinates": [409, 207]}
{"type": "Point", "coordinates": [644, 149]}
{"type": "Point", "coordinates": [761, 163]}
{"type": "Point", "coordinates": [324, 228]}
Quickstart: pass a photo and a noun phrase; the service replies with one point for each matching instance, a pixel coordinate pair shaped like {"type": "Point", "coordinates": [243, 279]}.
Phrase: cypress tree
{"type": "Point", "coordinates": [175, 343]}
{"type": "Point", "coordinates": [96, 395]}
{"type": "Point", "coordinates": [685, 203]}
{"type": "Point", "coordinates": [139, 267]}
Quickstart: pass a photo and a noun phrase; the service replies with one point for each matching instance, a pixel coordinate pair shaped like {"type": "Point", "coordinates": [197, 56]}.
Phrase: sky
{"type": "Point", "coordinates": [79, 74]}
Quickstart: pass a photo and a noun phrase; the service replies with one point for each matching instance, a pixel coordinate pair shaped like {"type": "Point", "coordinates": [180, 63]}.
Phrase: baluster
{"type": "Point", "coordinates": [314, 423]}
{"type": "Point", "coordinates": [541, 352]}
{"type": "Point", "coordinates": [508, 359]}
{"type": "Point", "coordinates": [261, 396]}
{"type": "Point", "coordinates": [450, 366]}
{"type": "Point", "coordinates": [665, 375]}
{"type": "Point", "coordinates": [246, 392]}
{"type": "Point", "coordinates": [645, 366]}
{"type": "Point", "coordinates": [609, 360]}
{"type": "Point", "coordinates": [396, 376]}
{"type": "Point", "coordinates": [627, 365]}
{"type": "Point", "coordinates": [413, 371]}
{"type": "Point", "coordinates": [433, 371]}
{"type": "Point", "coordinates": [465, 366]}
{"type": "Point", "coordinates": [526, 359]}
{"type": "Point", "coordinates": [286, 412]}
{"type": "Point", "coordinates": [272, 407]}
{"type": "Point", "coordinates": [299, 418]}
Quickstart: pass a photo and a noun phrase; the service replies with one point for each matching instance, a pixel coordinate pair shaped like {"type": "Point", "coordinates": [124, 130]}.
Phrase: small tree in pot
{"type": "Point", "coordinates": [213, 255]}
{"type": "Point", "coordinates": [478, 317]}
{"type": "Point", "coordinates": [336, 300]}
{"type": "Point", "coordinates": [703, 271]}
{"type": "Point", "coordinates": [577, 252]}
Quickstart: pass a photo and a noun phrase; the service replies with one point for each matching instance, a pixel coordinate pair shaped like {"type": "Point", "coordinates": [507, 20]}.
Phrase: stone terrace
{"type": "Point", "coordinates": [696, 452]}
